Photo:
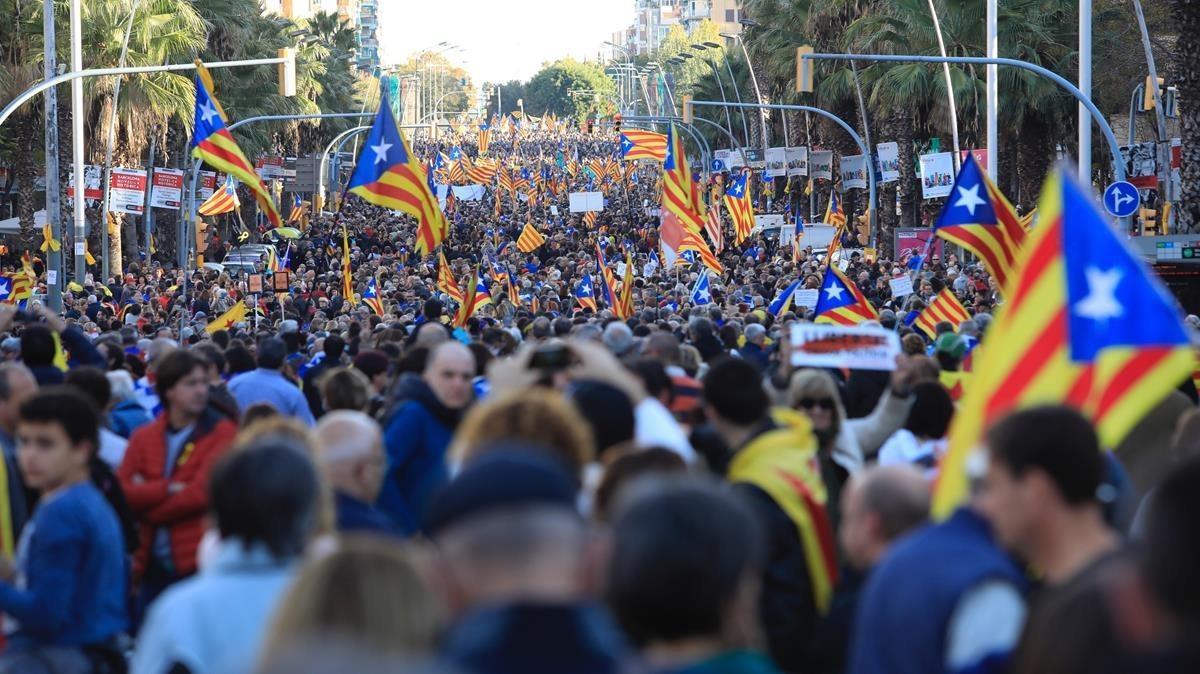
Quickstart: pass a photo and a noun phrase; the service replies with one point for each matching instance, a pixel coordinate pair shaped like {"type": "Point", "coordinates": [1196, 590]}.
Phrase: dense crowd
{"type": "Point", "coordinates": [322, 487]}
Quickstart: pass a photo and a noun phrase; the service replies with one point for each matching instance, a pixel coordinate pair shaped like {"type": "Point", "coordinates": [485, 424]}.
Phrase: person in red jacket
{"type": "Point", "coordinates": [165, 474]}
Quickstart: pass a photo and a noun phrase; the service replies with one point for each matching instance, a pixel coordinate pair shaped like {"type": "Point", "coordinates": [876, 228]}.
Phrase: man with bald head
{"type": "Point", "coordinates": [350, 456]}
{"type": "Point", "coordinates": [418, 430]}
{"type": "Point", "coordinates": [879, 506]}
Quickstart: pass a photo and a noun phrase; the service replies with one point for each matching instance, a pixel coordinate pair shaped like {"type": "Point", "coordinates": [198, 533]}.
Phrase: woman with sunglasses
{"type": "Point", "coordinates": [845, 444]}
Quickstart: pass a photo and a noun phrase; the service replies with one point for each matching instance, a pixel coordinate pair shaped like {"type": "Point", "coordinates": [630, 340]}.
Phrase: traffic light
{"type": "Point", "coordinates": [687, 108]}
{"type": "Point", "coordinates": [1149, 218]}
{"type": "Point", "coordinates": [591, 125]}
{"type": "Point", "coordinates": [804, 70]}
{"type": "Point", "coordinates": [1148, 94]}
{"type": "Point", "coordinates": [617, 124]}
{"type": "Point", "coordinates": [287, 72]}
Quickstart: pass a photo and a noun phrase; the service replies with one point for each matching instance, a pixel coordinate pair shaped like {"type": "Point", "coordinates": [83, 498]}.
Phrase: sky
{"type": "Point", "coordinates": [502, 40]}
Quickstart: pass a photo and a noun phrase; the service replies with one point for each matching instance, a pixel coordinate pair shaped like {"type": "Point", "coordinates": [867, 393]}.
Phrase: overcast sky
{"type": "Point", "coordinates": [501, 40]}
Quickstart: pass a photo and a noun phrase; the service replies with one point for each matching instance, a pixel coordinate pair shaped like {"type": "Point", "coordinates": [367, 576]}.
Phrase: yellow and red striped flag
{"type": "Point", "coordinates": [979, 218]}
{"type": "Point", "coordinates": [639, 144]}
{"type": "Point", "coordinates": [530, 239]}
{"type": "Point", "coordinates": [213, 144]}
{"type": "Point", "coordinates": [741, 211]}
{"type": "Point", "coordinates": [1085, 324]}
{"type": "Point", "coordinates": [445, 279]}
{"type": "Point", "coordinates": [389, 174]}
{"type": "Point", "coordinates": [841, 302]}
{"type": "Point", "coordinates": [347, 272]}
{"type": "Point", "coordinates": [944, 307]}
{"type": "Point", "coordinates": [224, 200]}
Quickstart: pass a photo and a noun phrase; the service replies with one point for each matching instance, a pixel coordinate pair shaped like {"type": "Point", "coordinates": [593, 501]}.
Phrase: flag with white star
{"type": "Point", "coordinates": [1086, 325]}
{"type": "Point", "coordinates": [701, 294]}
{"type": "Point", "coordinates": [978, 217]}
{"type": "Point", "coordinates": [639, 144]}
{"type": "Point", "coordinates": [841, 302]}
{"type": "Point", "coordinates": [388, 174]}
{"type": "Point", "coordinates": [584, 293]}
{"type": "Point", "coordinates": [213, 144]}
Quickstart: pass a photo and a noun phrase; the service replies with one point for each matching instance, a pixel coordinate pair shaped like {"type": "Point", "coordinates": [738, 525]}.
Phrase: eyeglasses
{"type": "Point", "coordinates": [823, 403]}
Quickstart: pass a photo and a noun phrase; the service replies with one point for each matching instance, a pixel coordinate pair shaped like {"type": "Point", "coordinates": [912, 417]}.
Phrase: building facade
{"type": "Point", "coordinates": [368, 35]}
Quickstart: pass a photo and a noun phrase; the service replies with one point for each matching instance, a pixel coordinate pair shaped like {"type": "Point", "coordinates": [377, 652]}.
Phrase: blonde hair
{"type": "Point", "coordinates": [538, 416]}
{"type": "Point", "coordinates": [816, 383]}
{"type": "Point", "coordinates": [369, 592]}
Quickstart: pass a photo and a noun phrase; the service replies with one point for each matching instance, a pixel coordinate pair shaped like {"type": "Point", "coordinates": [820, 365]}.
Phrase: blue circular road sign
{"type": "Point", "coordinates": [1122, 199]}
{"type": "Point", "coordinates": [718, 165]}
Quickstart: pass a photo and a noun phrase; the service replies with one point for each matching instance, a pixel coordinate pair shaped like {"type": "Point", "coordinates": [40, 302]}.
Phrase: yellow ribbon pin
{"type": "Point", "coordinates": [48, 240]}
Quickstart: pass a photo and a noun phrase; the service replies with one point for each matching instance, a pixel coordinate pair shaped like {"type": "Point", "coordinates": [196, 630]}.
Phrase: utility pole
{"type": "Point", "coordinates": [1085, 86]}
{"type": "Point", "coordinates": [53, 215]}
{"type": "Point", "coordinates": [77, 140]}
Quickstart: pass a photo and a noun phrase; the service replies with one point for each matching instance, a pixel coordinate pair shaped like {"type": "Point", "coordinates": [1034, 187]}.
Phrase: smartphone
{"type": "Point", "coordinates": [551, 357]}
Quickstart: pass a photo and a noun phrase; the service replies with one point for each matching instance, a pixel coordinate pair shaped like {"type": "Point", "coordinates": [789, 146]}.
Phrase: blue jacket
{"type": "Point", "coordinates": [536, 639]}
{"type": "Point", "coordinates": [355, 515]}
{"type": "Point", "coordinates": [416, 436]}
{"type": "Point", "coordinates": [72, 574]}
{"type": "Point", "coordinates": [126, 417]}
{"type": "Point", "coordinates": [911, 596]}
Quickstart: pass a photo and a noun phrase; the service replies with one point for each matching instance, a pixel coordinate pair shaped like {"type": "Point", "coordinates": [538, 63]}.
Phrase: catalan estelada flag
{"type": "Point", "coordinates": [639, 144]}
{"type": "Point", "coordinates": [584, 293]}
{"type": "Point", "coordinates": [483, 294]}
{"type": "Point", "coordinates": [978, 217]}
{"type": "Point", "coordinates": [530, 239]}
{"type": "Point", "coordinates": [371, 298]}
{"type": "Point", "coordinates": [944, 307]}
{"type": "Point", "coordinates": [485, 137]}
{"type": "Point", "coordinates": [297, 210]}
{"type": "Point", "coordinates": [1085, 324]}
{"type": "Point", "coordinates": [212, 143]}
{"type": "Point", "coordinates": [445, 279]}
{"type": "Point", "coordinates": [680, 194]}
{"type": "Point", "coordinates": [610, 284]}
{"type": "Point", "coordinates": [388, 174]}
{"type": "Point", "coordinates": [626, 302]}
{"type": "Point", "coordinates": [226, 321]}
{"type": "Point", "coordinates": [481, 171]}
{"type": "Point", "coordinates": [712, 226]}
{"type": "Point", "coordinates": [741, 211]}
{"type": "Point", "coordinates": [224, 200]}
{"type": "Point", "coordinates": [467, 305]}
{"type": "Point", "coordinates": [834, 215]}
{"type": "Point", "coordinates": [841, 302]}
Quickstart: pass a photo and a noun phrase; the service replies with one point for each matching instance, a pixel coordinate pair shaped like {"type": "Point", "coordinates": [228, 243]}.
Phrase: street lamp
{"type": "Point", "coordinates": [717, 74]}
{"type": "Point", "coordinates": [762, 112]}
{"type": "Point", "coordinates": [736, 91]}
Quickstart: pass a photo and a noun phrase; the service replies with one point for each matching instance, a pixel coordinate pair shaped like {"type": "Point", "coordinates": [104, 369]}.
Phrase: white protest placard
{"type": "Point", "coordinates": [841, 346]}
{"type": "Point", "coordinates": [776, 162]}
{"type": "Point", "coordinates": [553, 209]}
{"type": "Point", "coordinates": [806, 297]}
{"type": "Point", "coordinates": [853, 170]}
{"type": "Point", "coordinates": [586, 201]}
{"type": "Point", "coordinates": [166, 188]}
{"type": "Point", "coordinates": [127, 191]}
{"type": "Point", "coordinates": [937, 175]}
{"type": "Point", "coordinates": [901, 286]}
{"type": "Point", "coordinates": [889, 162]}
{"type": "Point", "coordinates": [820, 164]}
{"type": "Point", "coordinates": [620, 269]}
{"type": "Point", "coordinates": [797, 161]}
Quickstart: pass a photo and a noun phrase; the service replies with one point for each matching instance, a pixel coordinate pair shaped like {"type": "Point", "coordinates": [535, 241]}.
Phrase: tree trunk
{"type": "Point", "coordinates": [1187, 78]}
{"type": "Point", "coordinates": [909, 186]}
{"type": "Point", "coordinates": [26, 134]}
{"type": "Point", "coordinates": [1035, 153]}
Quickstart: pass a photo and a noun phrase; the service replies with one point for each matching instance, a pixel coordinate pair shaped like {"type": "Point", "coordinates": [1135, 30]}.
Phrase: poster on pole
{"type": "Point", "coordinates": [853, 171]}
{"type": "Point", "coordinates": [820, 164]}
{"type": "Point", "coordinates": [269, 168]}
{"type": "Point", "coordinates": [166, 188]}
{"type": "Point", "coordinates": [735, 159]}
{"type": "Point", "coordinates": [127, 191]}
{"type": "Point", "coordinates": [937, 175]}
{"type": "Point", "coordinates": [797, 161]}
{"type": "Point", "coordinates": [208, 184]}
{"type": "Point", "coordinates": [776, 162]}
{"type": "Point", "coordinates": [91, 184]}
{"type": "Point", "coordinates": [912, 241]}
{"type": "Point", "coordinates": [889, 162]}
{"type": "Point", "coordinates": [981, 156]}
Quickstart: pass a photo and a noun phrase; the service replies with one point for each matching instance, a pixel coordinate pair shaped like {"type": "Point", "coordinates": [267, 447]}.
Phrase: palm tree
{"type": "Point", "coordinates": [1187, 15]}
{"type": "Point", "coordinates": [21, 137]}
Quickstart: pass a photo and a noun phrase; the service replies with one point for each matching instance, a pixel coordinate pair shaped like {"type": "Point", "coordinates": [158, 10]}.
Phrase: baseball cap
{"type": "Point", "coordinates": [950, 344]}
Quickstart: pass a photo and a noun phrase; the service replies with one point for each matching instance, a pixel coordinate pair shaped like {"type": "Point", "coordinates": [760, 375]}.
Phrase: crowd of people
{"type": "Point", "coordinates": [321, 486]}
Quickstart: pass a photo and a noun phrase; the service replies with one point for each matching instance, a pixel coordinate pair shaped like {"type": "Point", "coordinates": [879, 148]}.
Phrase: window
{"type": "Point", "coordinates": [731, 16]}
